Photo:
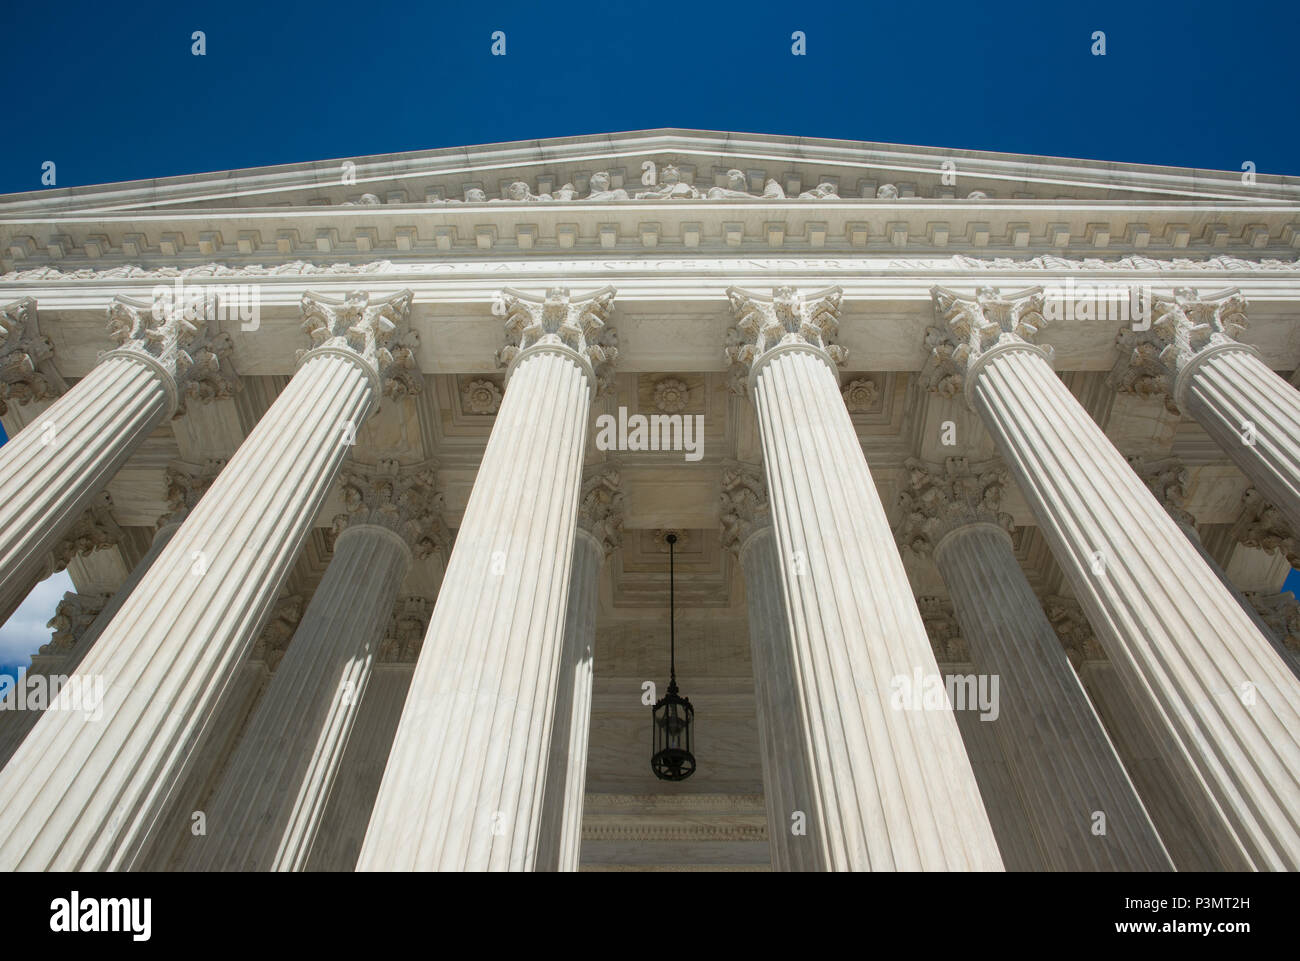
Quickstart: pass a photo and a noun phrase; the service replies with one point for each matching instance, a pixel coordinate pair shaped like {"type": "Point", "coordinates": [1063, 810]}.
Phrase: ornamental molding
{"type": "Point", "coordinates": [403, 500]}
{"type": "Point", "coordinates": [784, 318]}
{"type": "Point", "coordinates": [481, 398]}
{"type": "Point", "coordinates": [1167, 478]}
{"type": "Point", "coordinates": [375, 332]}
{"type": "Point", "coordinates": [940, 499]}
{"type": "Point", "coordinates": [1184, 326]}
{"type": "Point", "coordinates": [179, 337]}
{"type": "Point", "coordinates": [558, 319]}
{"type": "Point", "coordinates": [671, 395]}
{"type": "Point", "coordinates": [27, 371]}
{"type": "Point", "coordinates": [600, 505]}
{"type": "Point", "coordinates": [743, 504]}
{"type": "Point", "coordinates": [941, 264]}
{"type": "Point", "coordinates": [972, 327]}
{"type": "Point", "coordinates": [860, 395]}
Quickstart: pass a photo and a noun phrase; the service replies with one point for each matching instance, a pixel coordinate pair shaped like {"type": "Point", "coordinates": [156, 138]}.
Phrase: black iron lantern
{"type": "Point", "coordinates": [673, 715]}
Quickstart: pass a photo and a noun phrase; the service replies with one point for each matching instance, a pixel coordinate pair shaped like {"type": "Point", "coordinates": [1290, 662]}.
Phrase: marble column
{"type": "Point", "coordinates": [265, 813]}
{"type": "Point", "coordinates": [464, 784]}
{"type": "Point", "coordinates": [1166, 478]}
{"type": "Point", "coordinates": [343, 826]}
{"type": "Point", "coordinates": [782, 737]}
{"type": "Point", "coordinates": [1224, 703]}
{"type": "Point", "coordinates": [81, 798]}
{"type": "Point", "coordinates": [1187, 844]}
{"type": "Point", "coordinates": [600, 532]}
{"type": "Point", "coordinates": [893, 788]}
{"type": "Point", "coordinates": [1081, 805]}
{"type": "Point", "coordinates": [75, 628]}
{"type": "Point", "coordinates": [52, 470]}
{"type": "Point", "coordinates": [1190, 355]}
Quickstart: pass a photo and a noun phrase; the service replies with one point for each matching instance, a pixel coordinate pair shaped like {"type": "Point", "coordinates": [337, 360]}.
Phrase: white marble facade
{"type": "Point", "coordinates": [985, 471]}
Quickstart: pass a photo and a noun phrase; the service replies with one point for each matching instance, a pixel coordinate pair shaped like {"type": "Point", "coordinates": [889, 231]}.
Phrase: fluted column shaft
{"type": "Point", "coordinates": [49, 475]}
{"type": "Point", "coordinates": [1184, 647]}
{"type": "Point", "coordinates": [16, 725]}
{"type": "Point", "coordinates": [1066, 767]}
{"type": "Point", "coordinates": [560, 845]}
{"type": "Point", "coordinates": [787, 780]}
{"type": "Point", "coordinates": [464, 782]}
{"type": "Point", "coordinates": [265, 813]}
{"type": "Point", "coordinates": [1253, 415]}
{"type": "Point", "coordinates": [895, 789]}
{"type": "Point", "coordinates": [343, 826]}
{"type": "Point", "coordinates": [87, 797]}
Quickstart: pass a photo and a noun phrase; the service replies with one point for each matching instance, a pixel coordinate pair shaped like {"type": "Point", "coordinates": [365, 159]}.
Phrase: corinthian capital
{"type": "Point", "coordinates": [600, 508]}
{"type": "Point", "coordinates": [186, 484]}
{"type": "Point", "coordinates": [943, 630]}
{"type": "Point", "coordinates": [1166, 478]}
{"type": "Point", "coordinates": [1262, 526]}
{"type": "Point", "coordinates": [1184, 327]}
{"type": "Point", "coordinates": [180, 339]}
{"type": "Point", "coordinates": [938, 500]}
{"type": "Point", "coordinates": [278, 632]}
{"type": "Point", "coordinates": [969, 328]}
{"type": "Point", "coordinates": [559, 320]}
{"type": "Point", "coordinates": [743, 506]}
{"type": "Point", "coordinates": [1281, 613]}
{"type": "Point", "coordinates": [26, 357]}
{"type": "Point", "coordinates": [784, 318]}
{"type": "Point", "coordinates": [375, 332]}
{"type": "Point", "coordinates": [1073, 630]}
{"type": "Point", "coordinates": [72, 618]}
{"type": "Point", "coordinates": [403, 500]}
{"type": "Point", "coordinates": [94, 530]}
{"type": "Point", "coordinates": [405, 634]}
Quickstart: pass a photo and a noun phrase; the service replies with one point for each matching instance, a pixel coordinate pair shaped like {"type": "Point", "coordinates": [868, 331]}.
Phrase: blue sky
{"type": "Point", "coordinates": [112, 92]}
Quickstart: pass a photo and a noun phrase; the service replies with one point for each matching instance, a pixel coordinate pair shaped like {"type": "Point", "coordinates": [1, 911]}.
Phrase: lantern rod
{"type": "Point", "coordinates": [672, 616]}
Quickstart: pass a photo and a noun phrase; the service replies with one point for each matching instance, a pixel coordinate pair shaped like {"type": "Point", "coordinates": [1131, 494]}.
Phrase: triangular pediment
{"type": "Point", "coordinates": [560, 170]}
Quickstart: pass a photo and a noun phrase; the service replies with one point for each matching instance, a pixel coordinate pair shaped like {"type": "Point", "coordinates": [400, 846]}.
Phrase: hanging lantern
{"type": "Point", "coordinates": [673, 715]}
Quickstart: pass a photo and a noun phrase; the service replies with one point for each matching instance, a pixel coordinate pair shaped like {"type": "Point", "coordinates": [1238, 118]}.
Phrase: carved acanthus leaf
{"type": "Point", "coordinates": [1072, 628]}
{"type": "Point", "coordinates": [1166, 478]}
{"type": "Point", "coordinates": [743, 504]}
{"type": "Point", "coordinates": [1262, 526]}
{"type": "Point", "coordinates": [600, 507]}
{"type": "Point", "coordinates": [180, 334]}
{"type": "Point", "coordinates": [765, 322]}
{"type": "Point", "coordinates": [72, 618]}
{"type": "Point", "coordinates": [1182, 327]}
{"type": "Point", "coordinates": [275, 637]}
{"type": "Point", "coordinates": [27, 371]}
{"type": "Point", "coordinates": [579, 323]}
{"type": "Point", "coordinates": [406, 627]}
{"type": "Point", "coordinates": [377, 332]}
{"type": "Point", "coordinates": [969, 327]}
{"type": "Point", "coordinates": [403, 500]}
{"type": "Point", "coordinates": [938, 500]}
